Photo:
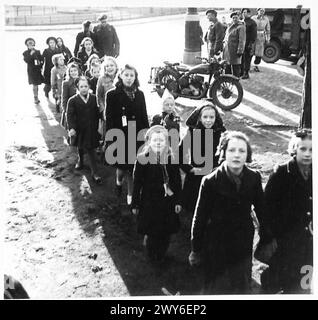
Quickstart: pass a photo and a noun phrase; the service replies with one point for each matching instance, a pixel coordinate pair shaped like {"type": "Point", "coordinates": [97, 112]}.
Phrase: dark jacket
{"type": "Point", "coordinates": [48, 64]}
{"type": "Point", "coordinates": [68, 90]}
{"type": "Point", "coordinates": [83, 56]}
{"type": "Point", "coordinates": [35, 63]}
{"type": "Point", "coordinates": [66, 53]}
{"type": "Point", "coordinates": [80, 36]}
{"type": "Point", "coordinates": [288, 199]}
{"type": "Point", "coordinates": [192, 182]}
{"type": "Point", "coordinates": [222, 225]}
{"type": "Point", "coordinates": [214, 38]}
{"type": "Point", "coordinates": [168, 120]}
{"type": "Point", "coordinates": [156, 211]}
{"type": "Point", "coordinates": [83, 118]}
{"type": "Point", "coordinates": [118, 104]}
{"type": "Point", "coordinates": [107, 42]}
{"type": "Point", "coordinates": [251, 31]}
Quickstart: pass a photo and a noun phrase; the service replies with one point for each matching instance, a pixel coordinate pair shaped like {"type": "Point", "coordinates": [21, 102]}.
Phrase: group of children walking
{"type": "Point", "coordinates": [220, 198]}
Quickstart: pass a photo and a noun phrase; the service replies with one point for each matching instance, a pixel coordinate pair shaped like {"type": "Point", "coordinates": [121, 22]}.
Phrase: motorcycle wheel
{"type": "Point", "coordinates": [169, 79]}
{"type": "Point", "coordinates": [226, 92]}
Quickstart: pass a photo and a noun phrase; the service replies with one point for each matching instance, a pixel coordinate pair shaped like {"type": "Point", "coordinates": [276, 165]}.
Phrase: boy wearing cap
{"type": "Point", "coordinates": [107, 42]}
{"type": "Point", "coordinates": [215, 34]}
{"type": "Point", "coordinates": [34, 61]}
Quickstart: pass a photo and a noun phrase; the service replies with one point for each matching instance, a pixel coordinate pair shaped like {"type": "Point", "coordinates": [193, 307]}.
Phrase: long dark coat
{"type": "Point", "coordinates": [192, 182]}
{"type": "Point", "coordinates": [118, 104]}
{"type": "Point", "coordinates": [48, 64]}
{"type": "Point", "coordinates": [68, 90]}
{"type": "Point", "coordinates": [35, 63]}
{"type": "Point", "coordinates": [107, 42]}
{"type": "Point", "coordinates": [288, 198]}
{"type": "Point", "coordinates": [83, 118]}
{"type": "Point", "coordinates": [234, 43]}
{"type": "Point", "coordinates": [156, 212]}
{"type": "Point", "coordinates": [251, 31]}
{"type": "Point", "coordinates": [223, 229]}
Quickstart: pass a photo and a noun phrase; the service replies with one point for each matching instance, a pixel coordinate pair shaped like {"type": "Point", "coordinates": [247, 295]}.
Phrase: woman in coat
{"type": "Point", "coordinates": [33, 58]}
{"type": "Point", "coordinates": [234, 44]}
{"type": "Point", "coordinates": [263, 35]}
{"type": "Point", "coordinates": [87, 32]}
{"type": "Point", "coordinates": [82, 121]}
{"type": "Point", "coordinates": [156, 196]}
{"type": "Point", "coordinates": [222, 227]}
{"type": "Point", "coordinates": [207, 117]}
{"type": "Point", "coordinates": [69, 89]}
{"type": "Point", "coordinates": [125, 106]}
{"type": "Point", "coordinates": [47, 55]}
{"type": "Point", "coordinates": [288, 199]}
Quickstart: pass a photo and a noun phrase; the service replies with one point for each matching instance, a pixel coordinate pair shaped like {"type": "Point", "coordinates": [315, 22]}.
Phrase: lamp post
{"type": "Point", "coordinates": [193, 33]}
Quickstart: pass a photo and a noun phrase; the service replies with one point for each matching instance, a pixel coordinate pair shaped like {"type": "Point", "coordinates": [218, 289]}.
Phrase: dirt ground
{"type": "Point", "coordinates": [64, 237]}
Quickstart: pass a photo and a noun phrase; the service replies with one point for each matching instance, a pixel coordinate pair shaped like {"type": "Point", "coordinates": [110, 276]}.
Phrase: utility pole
{"type": "Point", "coordinates": [193, 33]}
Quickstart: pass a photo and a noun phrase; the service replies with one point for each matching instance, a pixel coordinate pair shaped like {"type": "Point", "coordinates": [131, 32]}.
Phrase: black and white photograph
{"type": "Point", "coordinates": [157, 149]}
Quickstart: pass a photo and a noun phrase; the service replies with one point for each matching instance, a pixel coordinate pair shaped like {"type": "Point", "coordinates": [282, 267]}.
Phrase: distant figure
{"type": "Point", "coordinates": [33, 58]}
{"type": "Point", "coordinates": [234, 44]}
{"type": "Point", "coordinates": [263, 35]}
{"type": "Point", "coordinates": [107, 42]}
{"type": "Point", "coordinates": [225, 25]}
{"type": "Point", "coordinates": [215, 34]}
{"type": "Point", "coordinates": [251, 34]}
{"type": "Point", "coordinates": [87, 32]}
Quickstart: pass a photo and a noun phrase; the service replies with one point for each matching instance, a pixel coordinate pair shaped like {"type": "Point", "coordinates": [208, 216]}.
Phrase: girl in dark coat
{"type": "Point", "coordinates": [125, 106]}
{"type": "Point", "coordinates": [64, 50]}
{"type": "Point", "coordinates": [86, 50]}
{"type": "Point", "coordinates": [222, 227]}
{"type": "Point", "coordinates": [47, 55]}
{"type": "Point", "coordinates": [34, 61]}
{"type": "Point", "coordinates": [156, 196]}
{"type": "Point", "coordinates": [82, 121]}
{"type": "Point", "coordinates": [288, 199]}
{"type": "Point", "coordinates": [87, 32]}
{"type": "Point", "coordinates": [69, 89]}
{"type": "Point", "coordinates": [207, 117]}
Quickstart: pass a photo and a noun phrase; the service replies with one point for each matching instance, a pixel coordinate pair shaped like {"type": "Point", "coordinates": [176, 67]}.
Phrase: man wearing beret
{"type": "Point", "coordinates": [107, 42]}
{"type": "Point", "coordinates": [234, 44]}
{"type": "Point", "coordinates": [215, 34]}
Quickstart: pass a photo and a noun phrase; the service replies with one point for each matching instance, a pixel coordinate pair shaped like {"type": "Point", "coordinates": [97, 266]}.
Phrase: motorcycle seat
{"type": "Point", "coordinates": [182, 68]}
{"type": "Point", "coordinates": [170, 64]}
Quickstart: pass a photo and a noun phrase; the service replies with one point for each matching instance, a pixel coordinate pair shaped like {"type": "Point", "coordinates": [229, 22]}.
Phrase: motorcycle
{"type": "Point", "coordinates": [224, 90]}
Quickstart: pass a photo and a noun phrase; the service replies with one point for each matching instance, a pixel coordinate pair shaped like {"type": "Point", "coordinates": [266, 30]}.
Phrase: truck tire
{"type": "Point", "coordinates": [272, 52]}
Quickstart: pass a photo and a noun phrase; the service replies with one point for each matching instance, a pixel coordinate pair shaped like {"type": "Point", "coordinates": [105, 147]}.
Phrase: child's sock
{"type": "Point", "coordinates": [129, 199]}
